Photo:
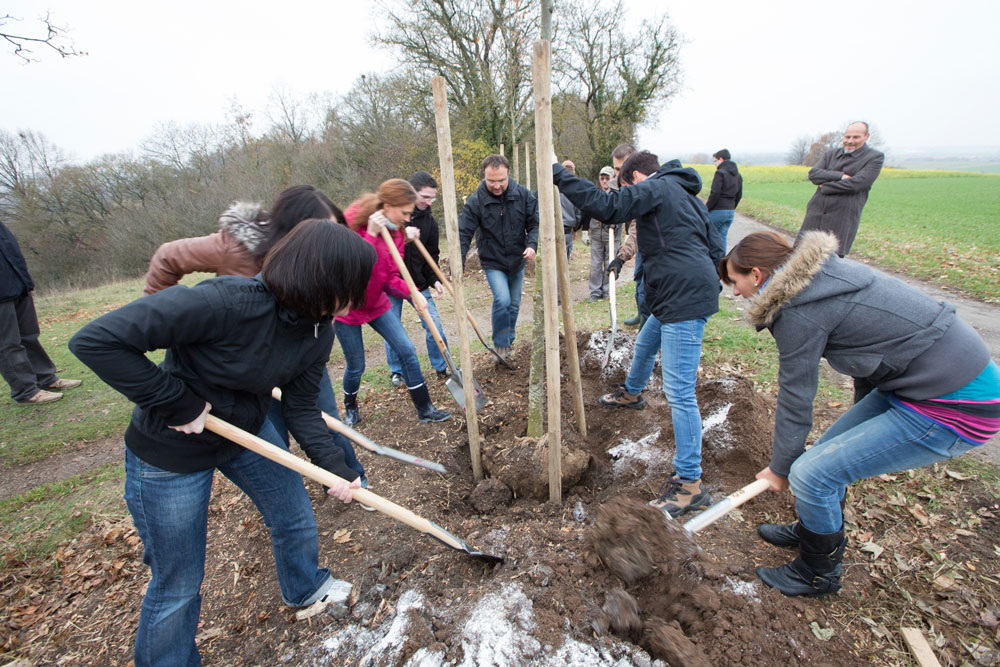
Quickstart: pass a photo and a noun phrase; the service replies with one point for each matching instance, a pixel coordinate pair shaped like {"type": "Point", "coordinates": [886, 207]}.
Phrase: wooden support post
{"type": "Point", "coordinates": [455, 260]}
{"type": "Point", "coordinates": [919, 647]}
{"type": "Point", "coordinates": [541, 73]}
{"type": "Point", "coordinates": [569, 327]}
{"type": "Point", "coordinates": [517, 165]}
{"type": "Point", "coordinates": [501, 149]}
{"type": "Point", "coordinates": [527, 164]}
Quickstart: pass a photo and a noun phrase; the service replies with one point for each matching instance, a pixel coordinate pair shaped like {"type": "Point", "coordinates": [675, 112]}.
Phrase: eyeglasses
{"type": "Point", "coordinates": [502, 182]}
{"type": "Point", "coordinates": [429, 200]}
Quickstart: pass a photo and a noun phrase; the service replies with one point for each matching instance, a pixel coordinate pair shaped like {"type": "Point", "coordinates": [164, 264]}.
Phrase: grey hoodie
{"type": "Point", "coordinates": [867, 325]}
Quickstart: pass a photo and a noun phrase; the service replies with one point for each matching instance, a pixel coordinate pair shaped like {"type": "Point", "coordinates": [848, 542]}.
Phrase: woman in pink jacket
{"type": "Point", "coordinates": [393, 202]}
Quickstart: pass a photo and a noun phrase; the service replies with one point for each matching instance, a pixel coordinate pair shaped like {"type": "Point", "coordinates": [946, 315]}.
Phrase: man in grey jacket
{"type": "Point", "coordinates": [844, 176]}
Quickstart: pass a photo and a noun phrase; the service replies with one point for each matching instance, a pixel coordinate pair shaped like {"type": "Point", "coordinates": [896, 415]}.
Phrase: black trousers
{"type": "Point", "coordinates": [23, 362]}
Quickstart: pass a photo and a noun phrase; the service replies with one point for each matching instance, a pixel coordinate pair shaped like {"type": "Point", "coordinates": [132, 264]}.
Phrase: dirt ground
{"type": "Point", "coordinates": [552, 601]}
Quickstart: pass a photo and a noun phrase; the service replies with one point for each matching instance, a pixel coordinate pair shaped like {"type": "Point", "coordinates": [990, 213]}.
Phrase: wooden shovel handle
{"type": "Point", "coordinates": [405, 273]}
{"type": "Point", "coordinates": [447, 285]}
{"type": "Point", "coordinates": [726, 505]}
{"type": "Point", "coordinates": [314, 472]}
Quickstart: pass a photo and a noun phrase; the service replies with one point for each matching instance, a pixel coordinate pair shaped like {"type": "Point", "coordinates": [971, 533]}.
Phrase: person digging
{"type": "Point", "coordinates": [681, 250]}
{"type": "Point", "coordinates": [936, 396]}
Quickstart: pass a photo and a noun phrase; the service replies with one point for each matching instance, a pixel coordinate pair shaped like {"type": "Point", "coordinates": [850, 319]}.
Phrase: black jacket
{"type": "Point", "coordinates": [727, 188]}
{"type": "Point", "coordinates": [680, 247]}
{"type": "Point", "coordinates": [422, 273]}
{"type": "Point", "coordinates": [504, 226]}
{"type": "Point", "coordinates": [229, 343]}
{"type": "Point", "coordinates": [15, 281]}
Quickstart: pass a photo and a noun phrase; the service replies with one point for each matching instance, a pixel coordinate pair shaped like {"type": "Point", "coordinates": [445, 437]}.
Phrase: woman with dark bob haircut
{"type": "Point", "coordinates": [936, 390]}
{"type": "Point", "coordinates": [229, 341]}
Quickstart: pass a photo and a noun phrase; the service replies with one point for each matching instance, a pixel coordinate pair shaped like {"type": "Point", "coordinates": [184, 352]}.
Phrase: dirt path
{"type": "Point", "coordinates": [983, 316]}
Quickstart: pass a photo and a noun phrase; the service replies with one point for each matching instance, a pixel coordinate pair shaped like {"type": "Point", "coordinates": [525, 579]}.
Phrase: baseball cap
{"type": "Point", "coordinates": [607, 171]}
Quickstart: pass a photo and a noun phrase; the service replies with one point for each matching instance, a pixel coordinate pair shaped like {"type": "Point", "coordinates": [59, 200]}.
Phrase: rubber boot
{"type": "Point", "coordinates": [632, 321]}
{"type": "Point", "coordinates": [425, 409]}
{"type": "Point", "coordinates": [351, 415]}
{"type": "Point", "coordinates": [817, 569]}
{"type": "Point", "coordinates": [780, 534]}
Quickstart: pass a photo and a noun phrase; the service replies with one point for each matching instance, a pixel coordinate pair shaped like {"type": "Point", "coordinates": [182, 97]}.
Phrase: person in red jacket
{"type": "Point", "coordinates": [394, 202]}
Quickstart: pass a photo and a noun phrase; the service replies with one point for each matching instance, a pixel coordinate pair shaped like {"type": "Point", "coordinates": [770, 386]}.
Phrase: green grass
{"type": "Point", "coordinates": [940, 226]}
{"type": "Point", "coordinates": [34, 523]}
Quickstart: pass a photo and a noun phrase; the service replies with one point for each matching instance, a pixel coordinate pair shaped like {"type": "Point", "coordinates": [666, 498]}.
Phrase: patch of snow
{"type": "Point", "coordinates": [387, 649]}
{"type": "Point", "coordinates": [716, 418]}
{"type": "Point", "coordinates": [621, 353]}
{"type": "Point", "coordinates": [499, 630]}
{"type": "Point", "coordinates": [629, 452]}
{"type": "Point", "coordinates": [579, 513]}
{"type": "Point", "coordinates": [747, 589]}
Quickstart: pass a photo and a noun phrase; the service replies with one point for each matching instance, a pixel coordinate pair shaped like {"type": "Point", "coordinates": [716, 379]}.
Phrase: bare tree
{"type": "Point", "coordinates": [798, 151]}
{"type": "Point", "coordinates": [50, 36]}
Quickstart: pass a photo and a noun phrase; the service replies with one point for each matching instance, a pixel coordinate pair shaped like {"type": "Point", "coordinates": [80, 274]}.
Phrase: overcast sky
{"type": "Point", "coordinates": [756, 74]}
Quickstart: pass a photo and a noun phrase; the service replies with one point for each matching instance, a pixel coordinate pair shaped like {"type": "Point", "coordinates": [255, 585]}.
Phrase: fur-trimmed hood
{"type": "Point", "coordinates": [246, 222]}
{"type": "Point", "coordinates": [797, 273]}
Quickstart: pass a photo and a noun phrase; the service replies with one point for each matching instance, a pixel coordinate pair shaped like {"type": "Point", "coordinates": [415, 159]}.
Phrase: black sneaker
{"type": "Point", "coordinates": [397, 380]}
{"type": "Point", "coordinates": [620, 398]}
{"type": "Point", "coordinates": [432, 414]}
{"type": "Point", "coordinates": [678, 496]}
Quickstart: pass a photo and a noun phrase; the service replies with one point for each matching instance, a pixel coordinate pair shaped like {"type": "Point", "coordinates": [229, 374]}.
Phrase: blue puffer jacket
{"type": "Point", "coordinates": [680, 247]}
{"type": "Point", "coordinates": [15, 281]}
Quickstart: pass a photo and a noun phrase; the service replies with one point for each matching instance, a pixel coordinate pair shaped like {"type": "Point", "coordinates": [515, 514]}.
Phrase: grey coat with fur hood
{"type": "Point", "coordinates": [867, 325]}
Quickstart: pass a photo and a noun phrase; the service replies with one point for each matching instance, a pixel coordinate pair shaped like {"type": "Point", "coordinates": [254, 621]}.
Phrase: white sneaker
{"type": "Point", "coordinates": [332, 592]}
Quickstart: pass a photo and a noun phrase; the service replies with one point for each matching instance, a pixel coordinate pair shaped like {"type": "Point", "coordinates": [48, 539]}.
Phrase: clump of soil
{"type": "Point", "coordinates": [522, 465]}
{"type": "Point", "coordinates": [668, 642]}
{"type": "Point", "coordinates": [490, 495]}
{"type": "Point", "coordinates": [632, 539]}
{"type": "Point", "coordinates": [736, 424]}
{"type": "Point", "coordinates": [595, 345]}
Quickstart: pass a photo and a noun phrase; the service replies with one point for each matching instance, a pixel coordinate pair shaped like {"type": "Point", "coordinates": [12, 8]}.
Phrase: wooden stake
{"type": "Point", "coordinates": [919, 647]}
{"type": "Point", "coordinates": [517, 165]}
{"type": "Point", "coordinates": [527, 164]}
{"type": "Point", "coordinates": [569, 328]}
{"type": "Point", "coordinates": [501, 149]}
{"type": "Point", "coordinates": [455, 260]}
{"type": "Point", "coordinates": [541, 72]}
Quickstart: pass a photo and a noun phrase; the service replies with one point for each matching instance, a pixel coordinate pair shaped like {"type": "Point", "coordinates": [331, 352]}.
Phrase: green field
{"type": "Point", "coordinates": [940, 226]}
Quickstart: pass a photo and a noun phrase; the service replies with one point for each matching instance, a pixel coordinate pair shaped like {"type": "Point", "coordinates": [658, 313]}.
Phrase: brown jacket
{"type": "Point", "coordinates": [227, 252]}
{"type": "Point", "coordinates": [628, 247]}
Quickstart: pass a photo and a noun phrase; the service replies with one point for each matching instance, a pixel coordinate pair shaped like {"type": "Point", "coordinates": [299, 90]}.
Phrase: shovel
{"type": "Point", "coordinates": [364, 496]}
{"type": "Point", "coordinates": [611, 303]}
{"type": "Point", "coordinates": [447, 285]}
{"type": "Point", "coordinates": [724, 506]}
{"type": "Point", "coordinates": [455, 384]}
{"type": "Point", "coordinates": [357, 438]}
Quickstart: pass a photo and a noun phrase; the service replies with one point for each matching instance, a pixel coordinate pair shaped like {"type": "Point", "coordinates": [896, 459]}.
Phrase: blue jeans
{"type": "Point", "coordinates": [640, 287]}
{"type": "Point", "coordinates": [170, 512]}
{"type": "Point", "coordinates": [722, 218]}
{"type": "Point", "coordinates": [328, 404]}
{"type": "Point", "coordinates": [506, 288]}
{"type": "Point", "coordinates": [433, 353]}
{"type": "Point", "coordinates": [391, 329]}
{"type": "Point", "coordinates": [872, 438]}
{"type": "Point", "coordinates": [679, 344]}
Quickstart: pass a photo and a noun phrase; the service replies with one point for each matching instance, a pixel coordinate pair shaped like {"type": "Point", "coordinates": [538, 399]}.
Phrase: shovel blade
{"type": "Point", "coordinates": [457, 389]}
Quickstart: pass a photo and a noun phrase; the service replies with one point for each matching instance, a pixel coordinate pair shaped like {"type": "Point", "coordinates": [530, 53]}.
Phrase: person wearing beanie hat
{"type": "Point", "coordinates": [727, 190]}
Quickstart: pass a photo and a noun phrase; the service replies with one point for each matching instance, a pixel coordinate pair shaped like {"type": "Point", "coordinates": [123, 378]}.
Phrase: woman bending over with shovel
{"type": "Point", "coordinates": [393, 202]}
{"type": "Point", "coordinates": [246, 233]}
{"type": "Point", "coordinates": [229, 341]}
{"type": "Point", "coordinates": [937, 390]}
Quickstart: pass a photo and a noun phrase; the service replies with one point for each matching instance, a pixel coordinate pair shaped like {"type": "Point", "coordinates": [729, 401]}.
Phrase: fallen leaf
{"type": "Point", "coordinates": [918, 512]}
{"type": "Point", "coordinates": [822, 634]}
{"type": "Point", "coordinates": [342, 536]}
{"type": "Point", "coordinates": [944, 582]}
{"type": "Point", "coordinates": [872, 548]}
{"type": "Point", "coordinates": [957, 475]}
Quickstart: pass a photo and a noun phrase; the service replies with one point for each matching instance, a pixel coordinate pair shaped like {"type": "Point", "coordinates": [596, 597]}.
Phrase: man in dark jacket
{"type": "Point", "coordinates": [503, 215]}
{"type": "Point", "coordinates": [844, 176]}
{"type": "Point", "coordinates": [680, 250]}
{"type": "Point", "coordinates": [23, 362]}
{"type": "Point", "coordinates": [727, 190]}
{"type": "Point", "coordinates": [423, 275]}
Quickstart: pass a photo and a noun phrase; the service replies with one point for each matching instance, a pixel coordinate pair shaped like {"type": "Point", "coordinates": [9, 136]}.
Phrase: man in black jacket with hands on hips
{"type": "Point", "coordinates": [503, 215]}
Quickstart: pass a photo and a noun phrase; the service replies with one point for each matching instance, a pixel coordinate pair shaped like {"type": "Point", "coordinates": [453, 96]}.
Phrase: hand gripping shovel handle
{"type": "Point", "coordinates": [357, 438]}
{"type": "Point", "coordinates": [364, 496]}
{"type": "Point", "coordinates": [447, 285]}
{"type": "Point", "coordinates": [725, 506]}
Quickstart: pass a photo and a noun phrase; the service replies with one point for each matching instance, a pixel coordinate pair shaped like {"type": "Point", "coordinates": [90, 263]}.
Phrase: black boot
{"type": "Point", "coordinates": [780, 534]}
{"type": "Point", "coordinates": [817, 569]}
{"type": "Point", "coordinates": [351, 416]}
{"type": "Point", "coordinates": [425, 409]}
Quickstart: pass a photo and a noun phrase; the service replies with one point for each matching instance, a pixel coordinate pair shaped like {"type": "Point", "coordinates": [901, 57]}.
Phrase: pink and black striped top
{"type": "Point", "coordinates": [972, 412]}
